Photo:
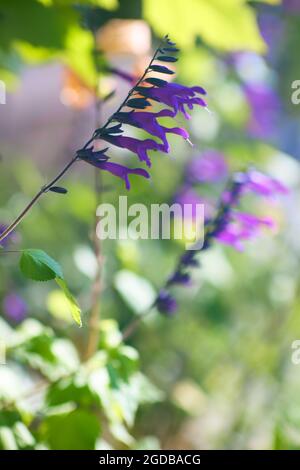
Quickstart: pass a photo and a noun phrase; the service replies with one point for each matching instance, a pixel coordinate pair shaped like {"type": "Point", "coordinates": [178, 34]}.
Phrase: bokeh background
{"type": "Point", "coordinates": [219, 373]}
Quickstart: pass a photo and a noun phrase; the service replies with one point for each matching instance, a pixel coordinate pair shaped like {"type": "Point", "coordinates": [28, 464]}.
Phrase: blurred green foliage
{"type": "Point", "coordinates": [217, 375]}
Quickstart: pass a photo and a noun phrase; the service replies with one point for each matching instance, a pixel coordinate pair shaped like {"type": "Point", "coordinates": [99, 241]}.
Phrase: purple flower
{"type": "Point", "coordinates": [148, 121]}
{"type": "Point", "coordinates": [265, 107]}
{"type": "Point", "coordinates": [179, 277]}
{"type": "Point", "coordinates": [242, 226]}
{"type": "Point", "coordinates": [292, 6]}
{"type": "Point", "coordinates": [100, 160]}
{"type": "Point", "coordinates": [166, 303]}
{"type": "Point", "coordinates": [210, 166]}
{"type": "Point", "coordinates": [140, 147]}
{"type": "Point", "coordinates": [10, 237]}
{"type": "Point", "coordinates": [188, 195]}
{"type": "Point", "coordinates": [15, 307]}
{"type": "Point", "coordinates": [121, 171]}
{"type": "Point", "coordinates": [177, 96]}
{"type": "Point", "coordinates": [263, 185]}
{"type": "Point", "coordinates": [188, 259]}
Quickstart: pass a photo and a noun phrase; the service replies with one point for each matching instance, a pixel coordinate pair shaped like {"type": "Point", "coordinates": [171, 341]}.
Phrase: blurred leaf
{"type": "Point", "coordinates": [77, 430]}
{"type": "Point", "coordinates": [26, 21]}
{"type": "Point", "coordinates": [74, 307]}
{"type": "Point", "coordinates": [107, 4]}
{"type": "Point", "coordinates": [226, 25]}
{"type": "Point", "coordinates": [71, 390]}
{"type": "Point", "coordinates": [7, 439]}
{"type": "Point", "coordinates": [137, 291]}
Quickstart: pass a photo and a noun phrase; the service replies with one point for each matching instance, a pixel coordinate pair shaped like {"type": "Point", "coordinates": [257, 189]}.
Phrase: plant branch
{"type": "Point", "coordinates": [97, 134]}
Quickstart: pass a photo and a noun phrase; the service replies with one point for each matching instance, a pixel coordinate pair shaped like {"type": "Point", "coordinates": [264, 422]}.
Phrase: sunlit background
{"type": "Point", "coordinates": [218, 374]}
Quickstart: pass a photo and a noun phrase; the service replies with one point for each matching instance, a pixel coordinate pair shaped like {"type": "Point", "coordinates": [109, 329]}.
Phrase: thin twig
{"type": "Point", "coordinates": [46, 188]}
{"type": "Point", "coordinates": [134, 324]}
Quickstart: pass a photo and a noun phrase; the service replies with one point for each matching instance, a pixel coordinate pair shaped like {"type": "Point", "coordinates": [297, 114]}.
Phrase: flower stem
{"type": "Point", "coordinates": [46, 188]}
{"type": "Point", "coordinates": [33, 201]}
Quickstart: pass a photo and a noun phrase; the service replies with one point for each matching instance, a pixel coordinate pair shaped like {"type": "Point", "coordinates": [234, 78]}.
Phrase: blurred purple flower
{"type": "Point", "coordinates": [292, 6]}
{"type": "Point", "coordinates": [265, 107]}
{"type": "Point", "coordinates": [166, 303]}
{"type": "Point", "coordinates": [210, 167]}
{"type": "Point", "coordinates": [228, 226]}
{"type": "Point", "coordinates": [124, 75]}
{"type": "Point", "coordinates": [188, 195]}
{"type": "Point", "coordinates": [179, 277]}
{"type": "Point", "coordinates": [15, 307]}
{"type": "Point", "coordinates": [242, 226]}
{"type": "Point", "coordinates": [271, 26]}
{"type": "Point", "coordinates": [11, 237]}
{"type": "Point", "coordinates": [263, 185]}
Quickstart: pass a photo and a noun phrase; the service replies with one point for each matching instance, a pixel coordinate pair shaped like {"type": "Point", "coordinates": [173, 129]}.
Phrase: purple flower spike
{"type": "Point", "coordinates": [15, 307]}
{"type": "Point", "coordinates": [140, 147]}
{"type": "Point", "coordinates": [177, 96]}
{"type": "Point", "coordinates": [209, 167]}
{"type": "Point", "coordinates": [166, 303]}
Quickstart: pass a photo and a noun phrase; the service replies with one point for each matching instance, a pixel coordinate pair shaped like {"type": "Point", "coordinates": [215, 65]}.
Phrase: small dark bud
{"type": "Point", "coordinates": [58, 189]}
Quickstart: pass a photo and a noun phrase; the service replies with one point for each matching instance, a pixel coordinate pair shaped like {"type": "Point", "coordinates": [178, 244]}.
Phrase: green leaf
{"type": "Point", "coordinates": [37, 265]}
{"type": "Point", "coordinates": [77, 430]}
{"type": "Point", "coordinates": [7, 439]}
{"type": "Point", "coordinates": [74, 307]}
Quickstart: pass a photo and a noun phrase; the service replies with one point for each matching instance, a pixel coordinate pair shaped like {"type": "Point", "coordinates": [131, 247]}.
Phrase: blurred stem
{"type": "Point", "coordinates": [94, 320]}
{"type": "Point", "coordinates": [93, 326]}
{"type": "Point", "coordinates": [134, 324]}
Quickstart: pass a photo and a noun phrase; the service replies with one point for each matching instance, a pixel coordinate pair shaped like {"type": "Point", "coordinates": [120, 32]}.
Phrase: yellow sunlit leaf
{"type": "Point", "coordinates": [229, 25]}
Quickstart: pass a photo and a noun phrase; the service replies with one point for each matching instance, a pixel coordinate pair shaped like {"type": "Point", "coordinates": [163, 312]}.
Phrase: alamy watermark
{"type": "Point", "coordinates": [2, 92]}
{"type": "Point", "coordinates": [295, 358]}
{"type": "Point", "coordinates": [158, 221]}
{"type": "Point", "coordinates": [295, 97]}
